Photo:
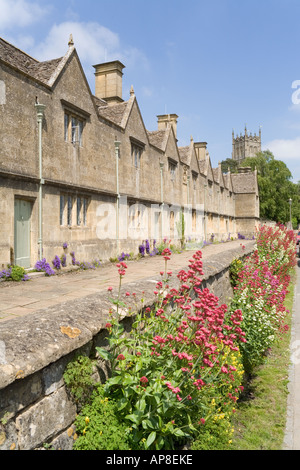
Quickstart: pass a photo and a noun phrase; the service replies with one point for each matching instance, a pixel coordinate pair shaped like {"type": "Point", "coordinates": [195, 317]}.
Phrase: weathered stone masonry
{"type": "Point", "coordinates": [34, 350]}
{"type": "Point", "coordinates": [105, 183]}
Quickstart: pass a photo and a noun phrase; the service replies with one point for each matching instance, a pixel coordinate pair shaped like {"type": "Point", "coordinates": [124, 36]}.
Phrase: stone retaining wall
{"type": "Point", "coordinates": [34, 350]}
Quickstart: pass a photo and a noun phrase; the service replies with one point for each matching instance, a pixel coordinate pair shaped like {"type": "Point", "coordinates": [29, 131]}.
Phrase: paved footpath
{"type": "Point", "coordinates": [18, 299]}
{"type": "Point", "coordinates": [292, 434]}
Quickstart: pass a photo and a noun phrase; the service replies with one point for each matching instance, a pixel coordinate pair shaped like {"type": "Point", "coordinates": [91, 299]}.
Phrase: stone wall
{"type": "Point", "coordinates": [34, 350]}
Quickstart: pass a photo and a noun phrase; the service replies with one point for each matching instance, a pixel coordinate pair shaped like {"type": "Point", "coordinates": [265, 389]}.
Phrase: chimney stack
{"type": "Point", "coordinates": [200, 149]}
{"type": "Point", "coordinates": [165, 119]}
{"type": "Point", "coordinates": [108, 81]}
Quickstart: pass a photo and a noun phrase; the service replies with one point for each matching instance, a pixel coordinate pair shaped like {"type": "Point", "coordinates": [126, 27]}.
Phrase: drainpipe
{"type": "Point", "coordinates": [40, 114]}
{"type": "Point", "coordinates": [162, 196]}
{"type": "Point", "coordinates": [117, 148]}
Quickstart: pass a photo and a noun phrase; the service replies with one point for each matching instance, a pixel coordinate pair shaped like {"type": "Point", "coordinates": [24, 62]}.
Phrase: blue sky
{"type": "Point", "coordinates": [217, 64]}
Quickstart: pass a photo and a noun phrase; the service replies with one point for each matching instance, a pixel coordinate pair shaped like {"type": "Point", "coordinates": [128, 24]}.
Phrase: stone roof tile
{"type": "Point", "coordinates": [18, 59]}
{"type": "Point", "coordinates": [243, 183]}
{"type": "Point", "coordinates": [113, 113]}
{"type": "Point", "coordinates": [157, 138]}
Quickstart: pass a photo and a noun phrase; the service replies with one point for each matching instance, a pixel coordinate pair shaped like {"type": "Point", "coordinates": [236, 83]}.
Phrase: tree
{"type": "Point", "coordinates": [229, 164]}
{"type": "Point", "coordinates": [275, 187]}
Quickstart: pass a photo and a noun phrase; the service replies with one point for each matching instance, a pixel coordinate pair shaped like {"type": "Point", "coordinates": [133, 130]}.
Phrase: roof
{"type": "Point", "coordinates": [244, 183]}
{"type": "Point", "coordinates": [157, 138]}
{"type": "Point", "coordinates": [45, 72]}
{"type": "Point", "coordinates": [41, 71]}
{"type": "Point", "coordinates": [185, 155]}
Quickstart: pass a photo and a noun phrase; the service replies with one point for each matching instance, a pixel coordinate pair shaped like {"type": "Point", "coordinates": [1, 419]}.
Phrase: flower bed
{"type": "Point", "coordinates": [260, 291]}
{"type": "Point", "coordinates": [176, 377]}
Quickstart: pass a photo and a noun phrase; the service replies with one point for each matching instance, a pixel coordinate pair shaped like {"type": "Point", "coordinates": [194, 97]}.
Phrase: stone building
{"type": "Point", "coordinates": [244, 146]}
{"type": "Point", "coordinates": [80, 168]}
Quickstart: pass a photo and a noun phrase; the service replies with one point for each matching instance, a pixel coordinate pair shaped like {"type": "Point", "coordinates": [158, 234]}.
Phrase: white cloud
{"type": "Point", "coordinates": [20, 13]}
{"type": "Point", "coordinates": [94, 43]}
{"type": "Point", "coordinates": [288, 151]}
{"type": "Point", "coordinates": [284, 149]}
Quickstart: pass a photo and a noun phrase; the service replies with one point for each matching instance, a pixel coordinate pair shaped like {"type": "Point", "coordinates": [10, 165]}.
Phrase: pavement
{"type": "Point", "coordinates": [23, 298]}
{"type": "Point", "coordinates": [292, 433]}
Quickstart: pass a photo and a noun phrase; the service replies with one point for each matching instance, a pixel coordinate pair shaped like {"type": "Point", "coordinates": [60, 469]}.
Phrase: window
{"type": "Point", "coordinates": [66, 127]}
{"type": "Point", "coordinates": [172, 170]}
{"type": "Point", "coordinates": [70, 207]}
{"type": "Point", "coordinates": [73, 210]}
{"type": "Point", "coordinates": [136, 153]}
{"type": "Point", "coordinates": [74, 122]}
{"type": "Point", "coordinates": [79, 205]}
{"type": "Point", "coordinates": [195, 180]}
{"type": "Point", "coordinates": [76, 129]}
{"type": "Point", "coordinates": [73, 129]}
{"type": "Point", "coordinates": [85, 205]}
{"type": "Point", "coordinates": [62, 210]}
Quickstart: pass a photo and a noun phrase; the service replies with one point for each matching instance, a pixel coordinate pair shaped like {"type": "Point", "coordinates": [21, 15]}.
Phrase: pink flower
{"type": "Point", "coordinates": [110, 289]}
{"type": "Point", "coordinates": [120, 357]}
{"type": "Point", "coordinates": [144, 380]}
{"type": "Point", "coordinates": [108, 325]}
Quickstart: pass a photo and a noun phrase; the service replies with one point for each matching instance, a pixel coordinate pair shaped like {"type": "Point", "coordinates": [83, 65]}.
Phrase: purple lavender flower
{"type": "Point", "coordinates": [42, 265]}
{"type": "Point", "coordinates": [56, 262]}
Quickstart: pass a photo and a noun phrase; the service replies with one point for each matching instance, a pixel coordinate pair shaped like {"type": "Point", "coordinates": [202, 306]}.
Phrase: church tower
{"type": "Point", "coordinates": [246, 145]}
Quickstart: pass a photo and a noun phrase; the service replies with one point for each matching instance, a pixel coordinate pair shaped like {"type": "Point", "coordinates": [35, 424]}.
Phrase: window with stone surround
{"type": "Point", "coordinates": [195, 179]}
{"type": "Point", "coordinates": [137, 149]}
{"type": "Point", "coordinates": [73, 210]}
{"type": "Point", "coordinates": [73, 129]}
{"type": "Point", "coordinates": [74, 123]}
{"type": "Point", "coordinates": [172, 169]}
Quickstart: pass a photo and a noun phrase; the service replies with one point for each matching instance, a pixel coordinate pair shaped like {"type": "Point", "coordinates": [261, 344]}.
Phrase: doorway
{"type": "Point", "coordinates": [22, 223]}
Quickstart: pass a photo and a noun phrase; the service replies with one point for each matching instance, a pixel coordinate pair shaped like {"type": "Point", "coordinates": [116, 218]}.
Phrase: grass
{"type": "Point", "coordinates": [260, 419]}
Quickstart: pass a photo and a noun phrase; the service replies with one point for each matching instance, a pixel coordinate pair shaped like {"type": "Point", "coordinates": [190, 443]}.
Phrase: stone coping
{"type": "Point", "coordinates": [30, 343]}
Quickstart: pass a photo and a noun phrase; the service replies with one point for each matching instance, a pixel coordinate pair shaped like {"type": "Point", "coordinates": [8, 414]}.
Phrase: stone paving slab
{"type": "Point", "coordinates": [19, 299]}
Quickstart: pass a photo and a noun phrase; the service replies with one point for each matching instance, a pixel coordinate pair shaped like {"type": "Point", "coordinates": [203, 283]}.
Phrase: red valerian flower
{"type": "Point", "coordinates": [121, 357]}
{"type": "Point", "coordinates": [144, 380]}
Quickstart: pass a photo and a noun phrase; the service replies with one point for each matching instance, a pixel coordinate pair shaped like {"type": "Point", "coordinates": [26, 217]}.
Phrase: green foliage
{"type": "Point", "coordinates": [235, 268]}
{"type": "Point", "coordinates": [78, 379]}
{"type": "Point", "coordinates": [17, 273]}
{"type": "Point", "coordinates": [14, 273]}
{"type": "Point", "coordinates": [215, 435]}
{"type": "Point", "coordinates": [229, 164]}
{"type": "Point", "coordinates": [98, 426]}
{"type": "Point", "coordinates": [275, 186]}
{"type": "Point", "coordinates": [171, 374]}
{"type": "Point", "coordinates": [180, 225]}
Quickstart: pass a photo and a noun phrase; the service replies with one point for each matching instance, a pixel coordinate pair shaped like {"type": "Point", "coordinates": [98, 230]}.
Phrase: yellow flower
{"type": "Point", "coordinates": [87, 420]}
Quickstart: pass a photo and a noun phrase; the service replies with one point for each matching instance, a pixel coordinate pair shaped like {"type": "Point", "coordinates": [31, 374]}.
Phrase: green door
{"type": "Point", "coordinates": [22, 232]}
